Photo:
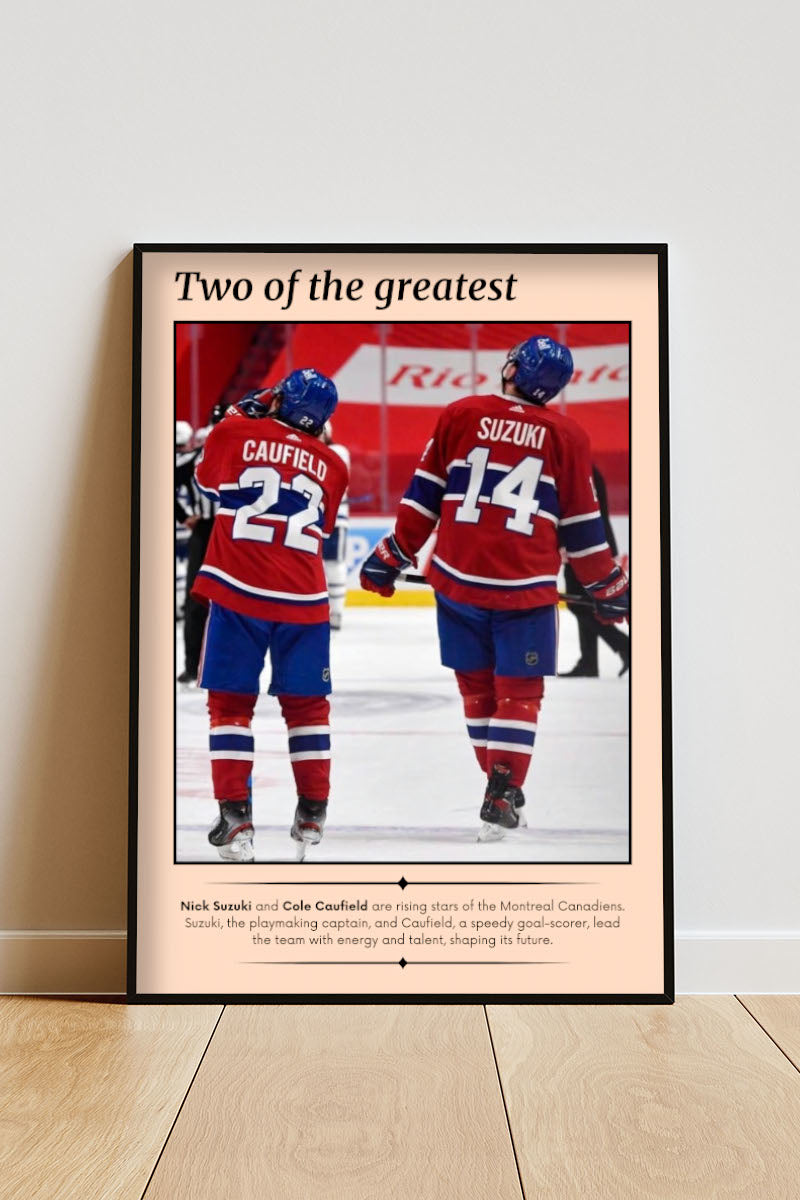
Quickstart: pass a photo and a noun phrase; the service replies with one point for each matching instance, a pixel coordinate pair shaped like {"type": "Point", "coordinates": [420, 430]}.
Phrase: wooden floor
{"type": "Point", "coordinates": [108, 1102]}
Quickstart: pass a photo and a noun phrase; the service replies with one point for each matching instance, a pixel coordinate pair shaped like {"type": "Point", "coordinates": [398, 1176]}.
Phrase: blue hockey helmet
{"type": "Point", "coordinates": [306, 399]}
{"type": "Point", "coordinates": [543, 368]}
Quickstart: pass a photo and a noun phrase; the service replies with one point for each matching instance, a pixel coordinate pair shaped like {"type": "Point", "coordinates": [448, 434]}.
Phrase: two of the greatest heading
{"type": "Point", "coordinates": [324, 285]}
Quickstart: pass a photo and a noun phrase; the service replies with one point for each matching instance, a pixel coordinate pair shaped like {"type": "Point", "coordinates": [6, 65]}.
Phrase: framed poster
{"type": "Point", "coordinates": [393, 735]}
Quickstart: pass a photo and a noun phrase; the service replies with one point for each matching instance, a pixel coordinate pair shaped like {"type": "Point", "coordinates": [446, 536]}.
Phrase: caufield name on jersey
{"type": "Point", "coordinates": [500, 429]}
{"type": "Point", "coordinates": [286, 454]}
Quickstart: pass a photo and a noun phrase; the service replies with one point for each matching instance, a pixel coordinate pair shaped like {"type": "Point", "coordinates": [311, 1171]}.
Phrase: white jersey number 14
{"type": "Point", "coordinates": [515, 491]}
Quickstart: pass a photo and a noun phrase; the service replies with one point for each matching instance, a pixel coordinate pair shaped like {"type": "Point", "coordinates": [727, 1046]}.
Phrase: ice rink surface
{"type": "Point", "coordinates": [405, 785]}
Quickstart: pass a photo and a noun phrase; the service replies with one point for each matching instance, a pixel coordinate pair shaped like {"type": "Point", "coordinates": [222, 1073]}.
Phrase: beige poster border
{"type": "Point", "coordinates": [631, 962]}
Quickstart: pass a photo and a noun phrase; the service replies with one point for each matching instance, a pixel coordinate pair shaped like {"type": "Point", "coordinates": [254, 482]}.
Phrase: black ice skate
{"type": "Point", "coordinates": [309, 821]}
{"type": "Point", "coordinates": [233, 832]}
{"type": "Point", "coordinates": [502, 805]}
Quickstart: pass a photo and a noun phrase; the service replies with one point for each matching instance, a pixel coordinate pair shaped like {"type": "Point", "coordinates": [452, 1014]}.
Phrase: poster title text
{"type": "Point", "coordinates": [326, 286]}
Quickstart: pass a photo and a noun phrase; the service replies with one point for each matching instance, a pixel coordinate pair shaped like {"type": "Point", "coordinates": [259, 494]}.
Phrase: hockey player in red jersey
{"type": "Point", "coordinates": [509, 484]}
{"type": "Point", "coordinates": [278, 488]}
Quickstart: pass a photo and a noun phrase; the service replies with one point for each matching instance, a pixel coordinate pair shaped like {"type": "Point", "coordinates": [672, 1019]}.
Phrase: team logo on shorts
{"type": "Point", "coordinates": [326, 674]}
{"type": "Point", "coordinates": [531, 658]}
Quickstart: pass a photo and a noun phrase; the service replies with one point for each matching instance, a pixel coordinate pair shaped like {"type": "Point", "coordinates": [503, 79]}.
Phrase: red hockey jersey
{"type": "Point", "coordinates": [510, 484]}
{"type": "Point", "coordinates": [278, 490]}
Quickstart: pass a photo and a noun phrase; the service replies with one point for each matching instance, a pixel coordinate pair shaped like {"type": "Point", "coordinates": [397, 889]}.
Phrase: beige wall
{"type": "Point", "coordinates": [64, 868]}
{"type": "Point", "coordinates": [409, 122]}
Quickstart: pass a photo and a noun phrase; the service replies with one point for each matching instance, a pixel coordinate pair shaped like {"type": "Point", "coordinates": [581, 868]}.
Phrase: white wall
{"type": "Point", "coordinates": [311, 121]}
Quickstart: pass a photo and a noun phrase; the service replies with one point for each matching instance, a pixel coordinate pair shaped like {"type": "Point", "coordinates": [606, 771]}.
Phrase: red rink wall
{"type": "Point", "coordinates": [206, 356]}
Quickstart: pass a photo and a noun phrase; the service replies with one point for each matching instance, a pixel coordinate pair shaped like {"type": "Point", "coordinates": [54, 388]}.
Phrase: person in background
{"type": "Point", "coordinates": [195, 512]}
{"type": "Point", "coordinates": [183, 450]}
{"type": "Point", "coordinates": [183, 453]}
{"type": "Point", "coordinates": [334, 548]}
{"type": "Point", "coordinates": [589, 628]}
{"type": "Point", "coordinates": [183, 437]}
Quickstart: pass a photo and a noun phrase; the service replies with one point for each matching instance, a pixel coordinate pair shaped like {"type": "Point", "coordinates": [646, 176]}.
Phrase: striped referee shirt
{"type": "Point", "coordinates": [190, 501]}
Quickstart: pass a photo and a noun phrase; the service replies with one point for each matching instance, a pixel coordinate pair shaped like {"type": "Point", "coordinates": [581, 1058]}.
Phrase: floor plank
{"type": "Point", "coordinates": [651, 1103]}
{"type": "Point", "coordinates": [780, 1016]}
{"type": "Point", "coordinates": [343, 1103]}
{"type": "Point", "coordinates": [89, 1092]}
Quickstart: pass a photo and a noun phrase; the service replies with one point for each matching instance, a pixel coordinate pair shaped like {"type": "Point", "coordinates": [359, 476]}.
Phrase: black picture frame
{"type": "Point", "coordinates": [659, 250]}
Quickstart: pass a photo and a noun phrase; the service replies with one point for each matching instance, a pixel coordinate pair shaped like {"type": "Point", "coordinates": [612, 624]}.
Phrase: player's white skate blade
{"type": "Point", "coordinates": [491, 833]}
{"type": "Point", "coordinates": [523, 820]}
{"type": "Point", "coordinates": [238, 849]}
{"type": "Point", "coordinates": [306, 830]}
{"type": "Point", "coordinates": [304, 842]}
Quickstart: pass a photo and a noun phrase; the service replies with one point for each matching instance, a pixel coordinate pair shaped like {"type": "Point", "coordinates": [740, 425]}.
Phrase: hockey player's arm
{"type": "Point", "coordinates": [421, 505]}
{"type": "Point", "coordinates": [334, 498]}
{"type": "Point", "coordinates": [582, 534]}
{"type": "Point", "coordinates": [417, 517]}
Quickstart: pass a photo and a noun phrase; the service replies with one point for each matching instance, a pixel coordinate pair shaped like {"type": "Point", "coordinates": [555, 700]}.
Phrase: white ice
{"type": "Point", "coordinates": [405, 785]}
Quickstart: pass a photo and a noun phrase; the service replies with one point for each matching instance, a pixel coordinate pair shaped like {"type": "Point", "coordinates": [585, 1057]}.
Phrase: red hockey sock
{"type": "Point", "coordinates": [512, 729]}
{"type": "Point", "coordinates": [477, 693]}
{"type": "Point", "coordinates": [307, 721]}
{"type": "Point", "coordinates": [231, 744]}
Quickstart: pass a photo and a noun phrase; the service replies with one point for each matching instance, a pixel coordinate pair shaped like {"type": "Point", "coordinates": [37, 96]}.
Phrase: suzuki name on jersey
{"type": "Point", "coordinates": [501, 429]}
{"type": "Point", "coordinates": [284, 453]}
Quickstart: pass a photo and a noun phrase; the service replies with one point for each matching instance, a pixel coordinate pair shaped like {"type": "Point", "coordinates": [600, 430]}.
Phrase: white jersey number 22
{"type": "Point", "coordinates": [269, 480]}
{"type": "Point", "coordinates": [515, 491]}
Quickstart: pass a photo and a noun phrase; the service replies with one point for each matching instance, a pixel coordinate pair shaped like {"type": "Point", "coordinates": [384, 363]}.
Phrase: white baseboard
{"type": "Point", "coordinates": [62, 961]}
{"type": "Point", "coordinates": [757, 963]}
{"type": "Point", "coordinates": [92, 962]}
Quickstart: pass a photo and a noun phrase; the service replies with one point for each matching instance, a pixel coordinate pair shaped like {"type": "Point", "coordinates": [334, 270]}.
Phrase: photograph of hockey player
{"type": "Point", "coordinates": [334, 548]}
{"type": "Point", "coordinates": [278, 487]}
{"type": "Point", "coordinates": [509, 483]}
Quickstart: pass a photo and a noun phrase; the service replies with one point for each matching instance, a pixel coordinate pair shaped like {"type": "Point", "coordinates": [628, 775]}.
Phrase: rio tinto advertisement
{"type": "Point", "coordinates": [437, 375]}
